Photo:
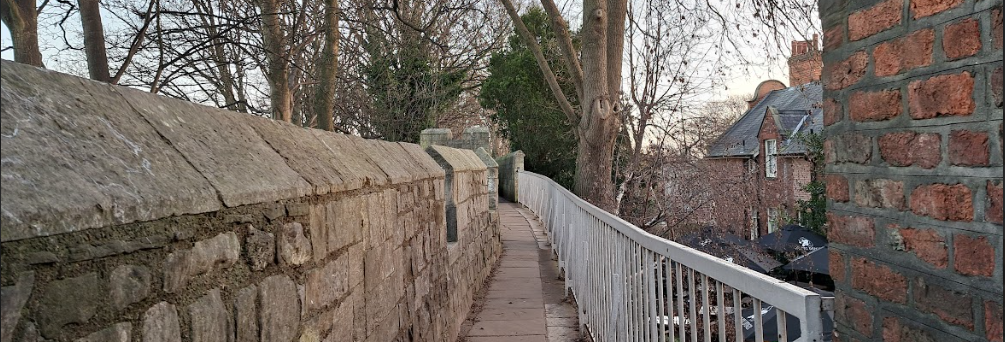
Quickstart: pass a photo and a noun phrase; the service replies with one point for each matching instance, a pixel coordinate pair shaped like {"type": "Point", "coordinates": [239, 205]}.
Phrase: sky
{"type": "Point", "coordinates": [736, 82]}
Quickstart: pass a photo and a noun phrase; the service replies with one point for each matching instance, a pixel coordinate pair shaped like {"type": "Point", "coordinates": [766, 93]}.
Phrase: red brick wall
{"type": "Point", "coordinates": [731, 192]}
{"type": "Point", "coordinates": [783, 191]}
{"type": "Point", "coordinates": [913, 110]}
{"type": "Point", "coordinates": [805, 64]}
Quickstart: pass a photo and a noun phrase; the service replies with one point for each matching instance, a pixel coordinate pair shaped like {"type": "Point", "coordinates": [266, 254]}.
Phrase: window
{"type": "Point", "coordinates": [770, 160]}
{"type": "Point", "coordinates": [753, 224]}
{"type": "Point", "coordinates": [772, 220]}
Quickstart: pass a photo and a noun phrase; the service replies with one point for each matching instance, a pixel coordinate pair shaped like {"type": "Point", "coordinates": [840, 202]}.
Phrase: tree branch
{"type": "Point", "coordinates": [561, 29]}
{"type": "Point", "coordinates": [542, 62]}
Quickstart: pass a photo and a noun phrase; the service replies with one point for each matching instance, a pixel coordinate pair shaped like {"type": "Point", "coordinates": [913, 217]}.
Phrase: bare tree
{"type": "Point", "coordinates": [598, 83]}
{"type": "Point", "coordinates": [21, 18]}
{"type": "Point", "coordinates": [94, 40]}
{"type": "Point", "coordinates": [324, 95]}
{"type": "Point", "coordinates": [597, 70]}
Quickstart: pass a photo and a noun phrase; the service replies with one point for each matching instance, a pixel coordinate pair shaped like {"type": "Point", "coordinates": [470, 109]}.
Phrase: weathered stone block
{"type": "Point", "coordinates": [119, 332]}
{"type": "Point", "coordinates": [294, 247]}
{"type": "Point", "coordinates": [160, 324]}
{"type": "Point", "coordinates": [112, 168]}
{"type": "Point", "coordinates": [279, 314]}
{"type": "Point", "coordinates": [303, 152]}
{"type": "Point", "coordinates": [318, 229]}
{"type": "Point", "coordinates": [128, 284]}
{"type": "Point", "coordinates": [260, 247]}
{"type": "Point", "coordinates": [246, 314]}
{"type": "Point", "coordinates": [345, 222]}
{"type": "Point", "coordinates": [218, 252]}
{"type": "Point", "coordinates": [218, 141]}
{"type": "Point", "coordinates": [327, 284]}
{"type": "Point", "coordinates": [70, 300]}
{"type": "Point", "coordinates": [209, 319]}
{"type": "Point", "coordinates": [13, 299]}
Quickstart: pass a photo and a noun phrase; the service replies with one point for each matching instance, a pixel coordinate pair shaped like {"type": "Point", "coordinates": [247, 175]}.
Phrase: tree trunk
{"type": "Point", "coordinates": [599, 124]}
{"type": "Point", "coordinates": [281, 98]}
{"type": "Point", "coordinates": [324, 95]}
{"type": "Point", "coordinates": [599, 121]}
{"type": "Point", "coordinates": [94, 40]}
{"type": "Point", "coordinates": [22, 20]}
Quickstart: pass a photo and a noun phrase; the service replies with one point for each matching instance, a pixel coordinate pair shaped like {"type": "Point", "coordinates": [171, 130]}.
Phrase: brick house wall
{"type": "Point", "coordinates": [781, 192]}
{"type": "Point", "coordinates": [805, 64]}
{"type": "Point", "coordinates": [913, 146]}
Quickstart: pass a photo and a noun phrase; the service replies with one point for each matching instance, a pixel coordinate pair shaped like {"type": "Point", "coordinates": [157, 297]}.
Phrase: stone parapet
{"type": "Point", "coordinates": [129, 215]}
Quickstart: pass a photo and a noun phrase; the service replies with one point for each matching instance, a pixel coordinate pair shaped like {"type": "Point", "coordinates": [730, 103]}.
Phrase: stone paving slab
{"type": "Point", "coordinates": [510, 314]}
{"type": "Point", "coordinates": [515, 327]}
{"type": "Point", "coordinates": [526, 338]}
{"type": "Point", "coordinates": [525, 299]}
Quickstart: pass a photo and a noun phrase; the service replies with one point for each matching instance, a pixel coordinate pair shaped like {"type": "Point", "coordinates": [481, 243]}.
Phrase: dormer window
{"type": "Point", "coordinates": [770, 158]}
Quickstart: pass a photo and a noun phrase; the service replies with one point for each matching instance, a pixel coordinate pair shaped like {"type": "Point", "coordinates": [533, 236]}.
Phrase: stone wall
{"type": "Point", "coordinates": [913, 109]}
{"type": "Point", "coordinates": [509, 165]}
{"type": "Point", "coordinates": [132, 217]}
{"type": "Point", "coordinates": [473, 238]}
{"type": "Point", "coordinates": [471, 139]}
{"type": "Point", "coordinates": [493, 176]}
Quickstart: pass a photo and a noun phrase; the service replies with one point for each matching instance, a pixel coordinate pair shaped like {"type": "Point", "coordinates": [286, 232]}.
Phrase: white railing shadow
{"type": "Point", "coordinates": [634, 286]}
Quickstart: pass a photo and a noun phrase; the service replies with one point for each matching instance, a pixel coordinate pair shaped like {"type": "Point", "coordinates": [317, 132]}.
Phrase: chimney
{"type": "Point", "coordinates": [805, 64]}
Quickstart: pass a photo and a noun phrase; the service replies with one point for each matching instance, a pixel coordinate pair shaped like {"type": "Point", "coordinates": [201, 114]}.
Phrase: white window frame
{"type": "Point", "coordinates": [770, 158]}
{"type": "Point", "coordinates": [753, 224]}
{"type": "Point", "coordinates": [772, 220]}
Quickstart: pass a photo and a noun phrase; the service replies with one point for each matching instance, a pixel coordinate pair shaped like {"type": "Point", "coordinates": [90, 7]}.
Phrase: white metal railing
{"type": "Point", "coordinates": [634, 286]}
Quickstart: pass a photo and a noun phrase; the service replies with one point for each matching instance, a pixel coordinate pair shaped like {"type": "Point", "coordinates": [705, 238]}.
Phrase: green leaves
{"type": "Point", "coordinates": [407, 92]}
{"type": "Point", "coordinates": [526, 111]}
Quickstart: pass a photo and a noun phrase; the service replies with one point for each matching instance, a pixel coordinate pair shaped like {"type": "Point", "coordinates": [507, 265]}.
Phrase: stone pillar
{"type": "Point", "coordinates": [435, 136]}
{"type": "Point", "coordinates": [493, 176]}
{"type": "Point", "coordinates": [477, 137]}
{"type": "Point", "coordinates": [509, 165]}
{"type": "Point", "coordinates": [913, 122]}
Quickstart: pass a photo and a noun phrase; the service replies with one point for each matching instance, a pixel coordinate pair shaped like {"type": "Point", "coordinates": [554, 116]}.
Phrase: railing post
{"type": "Point", "coordinates": [618, 311]}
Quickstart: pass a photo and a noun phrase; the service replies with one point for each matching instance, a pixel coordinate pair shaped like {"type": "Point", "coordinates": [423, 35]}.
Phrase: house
{"type": "Point", "coordinates": [762, 154]}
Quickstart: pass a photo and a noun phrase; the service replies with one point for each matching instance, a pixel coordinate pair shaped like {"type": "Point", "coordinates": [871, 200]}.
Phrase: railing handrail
{"type": "Point", "coordinates": [799, 302]}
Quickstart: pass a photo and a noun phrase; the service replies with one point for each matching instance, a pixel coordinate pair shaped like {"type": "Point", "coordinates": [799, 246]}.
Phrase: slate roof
{"type": "Point", "coordinates": [792, 104]}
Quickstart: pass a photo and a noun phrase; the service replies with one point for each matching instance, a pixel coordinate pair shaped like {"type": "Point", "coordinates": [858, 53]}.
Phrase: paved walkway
{"type": "Point", "coordinates": [526, 298]}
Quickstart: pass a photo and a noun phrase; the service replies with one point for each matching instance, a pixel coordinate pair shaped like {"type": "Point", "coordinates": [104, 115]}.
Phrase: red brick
{"type": "Point", "coordinates": [874, 105]}
{"type": "Point", "coordinates": [924, 8]}
{"type": "Point", "coordinates": [993, 213]}
{"type": "Point", "coordinates": [855, 312]}
{"type": "Point", "coordinates": [878, 280]}
{"type": "Point", "coordinates": [911, 148]}
{"type": "Point", "coordinates": [962, 39]}
{"type": "Point", "coordinates": [969, 148]}
{"type": "Point", "coordinates": [849, 147]}
{"type": "Point", "coordinates": [951, 306]}
{"type": "Point", "coordinates": [904, 54]}
{"type": "Point", "coordinates": [891, 329]}
{"type": "Point", "coordinates": [875, 19]}
{"type": "Point", "coordinates": [996, 27]}
{"type": "Point", "coordinates": [996, 87]}
{"type": "Point", "coordinates": [851, 230]}
{"type": "Point", "coordinates": [837, 188]}
{"type": "Point", "coordinates": [993, 321]}
{"type": "Point", "coordinates": [973, 256]}
{"type": "Point", "coordinates": [847, 72]}
{"type": "Point", "coordinates": [836, 265]}
{"type": "Point", "coordinates": [834, 37]}
{"type": "Point", "coordinates": [894, 331]}
{"type": "Point", "coordinates": [832, 111]}
{"type": "Point", "coordinates": [927, 244]}
{"type": "Point", "coordinates": [943, 202]}
{"type": "Point", "coordinates": [944, 95]}
{"type": "Point", "coordinates": [879, 193]}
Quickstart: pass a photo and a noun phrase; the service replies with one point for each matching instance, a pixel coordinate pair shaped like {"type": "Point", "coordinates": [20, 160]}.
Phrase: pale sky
{"type": "Point", "coordinates": [736, 82]}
